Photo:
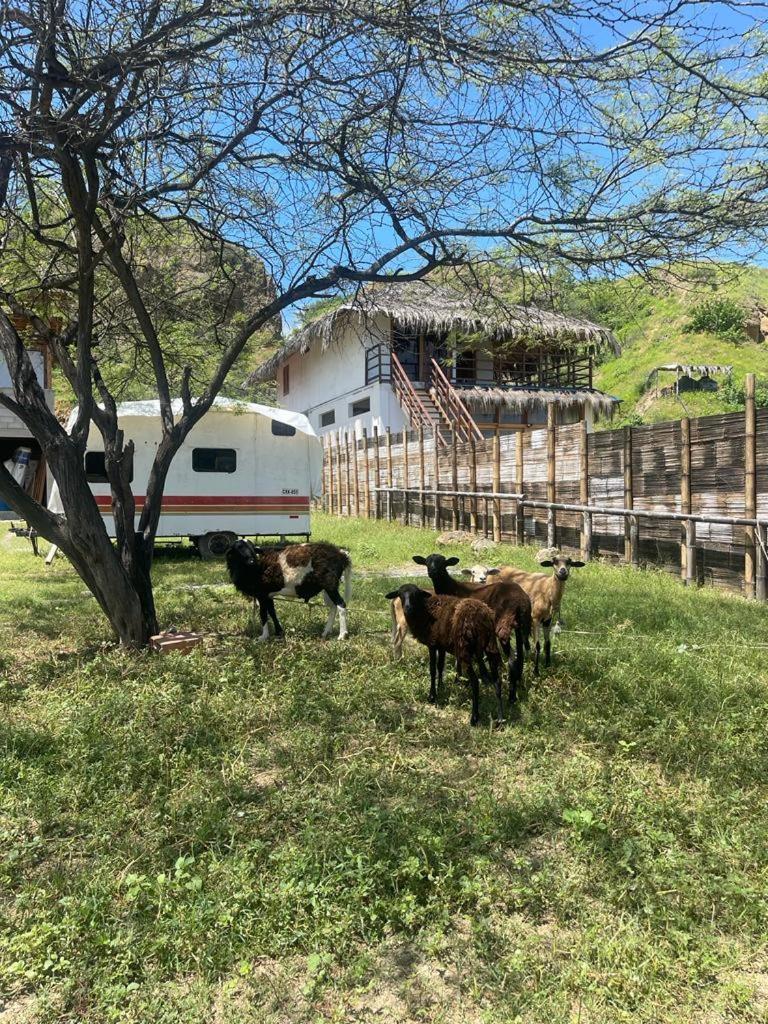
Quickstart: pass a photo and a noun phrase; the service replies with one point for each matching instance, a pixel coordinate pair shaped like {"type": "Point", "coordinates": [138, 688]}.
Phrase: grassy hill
{"type": "Point", "coordinates": [651, 322]}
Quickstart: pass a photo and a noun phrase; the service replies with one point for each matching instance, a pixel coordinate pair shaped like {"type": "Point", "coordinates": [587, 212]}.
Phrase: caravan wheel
{"type": "Point", "coordinates": [215, 545]}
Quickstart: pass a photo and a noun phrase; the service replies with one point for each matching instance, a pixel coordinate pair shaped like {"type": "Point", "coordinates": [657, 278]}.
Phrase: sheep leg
{"type": "Point", "coordinates": [272, 612]}
{"type": "Point", "coordinates": [535, 632]}
{"type": "Point", "coordinates": [263, 615]}
{"type": "Point", "coordinates": [547, 627]}
{"type": "Point", "coordinates": [495, 677]}
{"type": "Point", "coordinates": [475, 684]}
{"type": "Point", "coordinates": [399, 630]}
{"type": "Point", "coordinates": [329, 604]}
{"type": "Point", "coordinates": [440, 667]}
{"type": "Point", "coordinates": [519, 658]}
{"type": "Point", "coordinates": [341, 607]}
{"type": "Point", "coordinates": [432, 675]}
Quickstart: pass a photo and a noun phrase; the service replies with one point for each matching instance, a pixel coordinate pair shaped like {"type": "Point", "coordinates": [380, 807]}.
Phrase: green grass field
{"type": "Point", "coordinates": [289, 832]}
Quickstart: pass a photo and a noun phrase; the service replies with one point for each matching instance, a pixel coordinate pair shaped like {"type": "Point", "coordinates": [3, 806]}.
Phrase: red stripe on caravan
{"type": "Point", "coordinates": [228, 501]}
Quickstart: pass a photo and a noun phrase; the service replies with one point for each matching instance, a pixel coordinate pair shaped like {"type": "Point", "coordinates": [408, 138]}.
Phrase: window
{"type": "Point", "coordinates": [360, 406]}
{"type": "Point", "coordinates": [214, 460]}
{"type": "Point", "coordinates": [286, 379]}
{"type": "Point", "coordinates": [96, 470]}
{"type": "Point", "coordinates": [282, 429]}
{"type": "Point", "coordinates": [327, 418]}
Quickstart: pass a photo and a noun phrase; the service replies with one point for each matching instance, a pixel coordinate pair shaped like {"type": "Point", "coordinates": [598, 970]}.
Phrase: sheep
{"type": "Point", "coordinates": [462, 627]}
{"type": "Point", "coordinates": [544, 589]}
{"type": "Point", "coordinates": [298, 570]}
{"type": "Point", "coordinates": [509, 603]}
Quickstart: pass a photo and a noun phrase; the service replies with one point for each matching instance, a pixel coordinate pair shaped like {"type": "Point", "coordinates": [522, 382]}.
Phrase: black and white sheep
{"type": "Point", "coordinates": [461, 627]}
{"type": "Point", "coordinates": [298, 570]}
{"type": "Point", "coordinates": [544, 589]}
{"type": "Point", "coordinates": [509, 603]}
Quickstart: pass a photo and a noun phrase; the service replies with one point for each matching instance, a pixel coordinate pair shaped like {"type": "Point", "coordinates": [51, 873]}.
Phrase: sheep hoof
{"type": "Point", "coordinates": [474, 721]}
{"type": "Point", "coordinates": [343, 636]}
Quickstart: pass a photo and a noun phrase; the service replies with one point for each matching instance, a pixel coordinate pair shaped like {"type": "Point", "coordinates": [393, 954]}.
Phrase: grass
{"type": "Point", "coordinates": [651, 328]}
{"type": "Point", "coordinates": [290, 832]}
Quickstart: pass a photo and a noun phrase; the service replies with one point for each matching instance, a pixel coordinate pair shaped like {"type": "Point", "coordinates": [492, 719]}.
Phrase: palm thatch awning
{"type": "Point", "coordinates": [425, 306]}
{"type": "Point", "coordinates": [517, 400]}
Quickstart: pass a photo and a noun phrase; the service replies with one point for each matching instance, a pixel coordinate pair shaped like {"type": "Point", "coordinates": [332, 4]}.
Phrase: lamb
{"type": "Point", "coordinates": [462, 627]}
{"type": "Point", "coordinates": [544, 589]}
{"type": "Point", "coordinates": [509, 603]}
{"type": "Point", "coordinates": [298, 570]}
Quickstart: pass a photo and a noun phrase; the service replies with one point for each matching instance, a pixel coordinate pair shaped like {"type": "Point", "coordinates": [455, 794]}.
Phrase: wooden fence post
{"type": "Point", "coordinates": [406, 496]}
{"type": "Point", "coordinates": [367, 467]}
{"type": "Point", "coordinates": [355, 472]}
{"type": "Point", "coordinates": [377, 469]}
{"type": "Point", "coordinates": [551, 442]}
{"type": "Point", "coordinates": [750, 483]}
{"type": "Point", "coordinates": [348, 472]}
{"type": "Point", "coordinates": [422, 475]}
{"type": "Point", "coordinates": [473, 485]}
{"type": "Point", "coordinates": [761, 563]}
{"type": "Point", "coordinates": [586, 527]}
{"type": "Point", "coordinates": [436, 472]}
{"type": "Point", "coordinates": [520, 484]}
{"type": "Point", "coordinates": [496, 484]}
{"type": "Point", "coordinates": [631, 528]}
{"type": "Point", "coordinates": [687, 547]}
{"type": "Point", "coordinates": [390, 475]}
{"type": "Point", "coordinates": [454, 481]}
{"type": "Point", "coordinates": [331, 484]}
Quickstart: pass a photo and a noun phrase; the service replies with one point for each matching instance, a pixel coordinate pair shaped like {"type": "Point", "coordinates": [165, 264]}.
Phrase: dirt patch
{"type": "Point", "coordinates": [21, 1010]}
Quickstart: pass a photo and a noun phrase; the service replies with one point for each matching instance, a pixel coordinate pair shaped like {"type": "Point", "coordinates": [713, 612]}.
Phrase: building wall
{"type": "Point", "coordinates": [334, 379]}
{"type": "Point", "coordinates": [10, 425]}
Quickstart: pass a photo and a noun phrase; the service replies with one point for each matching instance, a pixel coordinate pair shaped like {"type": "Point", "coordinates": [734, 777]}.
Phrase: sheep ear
{"type": "Point", "coordinates": [576, 565]}
{"type": "Point", "coordinates": [452, 561]}
{"type": "Point", "coordinates": [392, 595]}
{"type": "Point", "coordinates": [493, 572]}
{"type": "Point", "coordinates": [419, 559]}
{"type": "Point", "coordinates": [547, 563]}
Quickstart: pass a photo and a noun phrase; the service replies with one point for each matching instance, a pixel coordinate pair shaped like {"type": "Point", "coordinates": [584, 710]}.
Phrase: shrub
{"type": "Point", "coordinates": [733, 393]}
{"type": "Point", "coordinates": [723, 317]}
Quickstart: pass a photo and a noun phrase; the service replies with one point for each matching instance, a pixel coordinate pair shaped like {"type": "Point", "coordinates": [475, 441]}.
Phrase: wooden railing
{"type": "Point", "coordinates": [450, 406]}
{"type": "Point", "coordinates": [408, 397]}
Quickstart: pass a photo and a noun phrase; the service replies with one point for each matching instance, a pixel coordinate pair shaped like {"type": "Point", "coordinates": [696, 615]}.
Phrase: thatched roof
{"type": "Point", "coordinates": [422, 305]}
{"type": "Point", "coordinates": [519, 399]}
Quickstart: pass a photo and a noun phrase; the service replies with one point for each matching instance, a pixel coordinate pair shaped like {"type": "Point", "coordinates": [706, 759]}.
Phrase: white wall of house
{"type": "Point", "coordinates": [333, 381]}
{"type": "Point", "coordinates": [10, 425]}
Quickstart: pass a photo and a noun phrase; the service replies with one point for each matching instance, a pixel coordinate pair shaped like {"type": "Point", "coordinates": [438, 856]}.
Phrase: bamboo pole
{"type": "Point", "coordinates": [750, 483]}
{"type": "Point", "coordinates": [761, 563]}
{"type": "Point", "coordinates": [348, 472]}
{"type": "Point", "coordinates": [422, 477]}
{"type": "Point", "coordinates": [520, 484]}
{"type": "Point", "coordinates": [454, 480]}
{"type": "Point", "coordinates": [390, 474]}
{"type": "Point", "coordinates": [331, 482]}
{"type": "Point", "coordinates": [551, 442]}
{"type": "Point", "coordinates": [367, 467]}
{"type": "Point", "coordinates": [496, 483]}
{"type": "Point", "coordinates": [436, 472]}
{"type": "Point", "coordinates": [630, 531]}
{"type": "Point", "coordinates": [406, 481]}
{"type": "Point", "coordinates": [687, 549]}
{"type": "Point", "coordinates": [586, 528]}
{"type": "Point", "coordinates": [472, 484]}
{"type": "Point", "coordinates": [377, 466]}
{"type": "Point", "coordinates": [356, 472]}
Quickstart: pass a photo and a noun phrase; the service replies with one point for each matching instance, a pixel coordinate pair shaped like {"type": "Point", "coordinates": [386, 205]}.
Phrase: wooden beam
{"type": "Point", "coordinates": [551, 467]}
{"type": "Point", "coordinates": [750, 482]}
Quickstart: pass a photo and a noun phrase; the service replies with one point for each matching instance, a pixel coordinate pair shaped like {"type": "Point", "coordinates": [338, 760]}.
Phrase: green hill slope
{"type": "Point", "coordinates": [650, 322]}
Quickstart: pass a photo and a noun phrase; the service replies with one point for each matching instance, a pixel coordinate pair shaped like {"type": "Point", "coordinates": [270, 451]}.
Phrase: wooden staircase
{"type": "Point", "coordinates": [437, 409]}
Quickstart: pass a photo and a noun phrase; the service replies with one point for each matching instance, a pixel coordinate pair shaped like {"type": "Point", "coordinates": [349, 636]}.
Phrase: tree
{"type": "Point", "coordinates": [338, 145]}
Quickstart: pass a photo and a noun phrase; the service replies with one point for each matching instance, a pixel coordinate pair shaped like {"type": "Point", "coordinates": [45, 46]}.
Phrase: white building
{"type": "Point", "coordinates": [401, 356]}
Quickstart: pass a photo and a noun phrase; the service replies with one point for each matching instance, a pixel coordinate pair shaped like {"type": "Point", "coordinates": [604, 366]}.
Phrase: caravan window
{"type": "Point", "coordinates": [214, 460]}
{"type": "Point", "coordinates": [282, 429]}
{"type": "Point", "coordinates": [360, 406]}
{"type": "Point", "coordinates": [96, 470]}
{"type": "Point", "coordinates": [328, 418]}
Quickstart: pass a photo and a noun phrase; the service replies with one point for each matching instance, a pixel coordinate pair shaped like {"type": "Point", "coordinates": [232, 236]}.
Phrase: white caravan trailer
{"type": "Point", "coordinates": [244, 470]}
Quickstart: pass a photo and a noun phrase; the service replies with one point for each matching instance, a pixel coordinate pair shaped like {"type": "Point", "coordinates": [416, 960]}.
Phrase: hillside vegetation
{"type": "Point", "coordinates": [652, 323]}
